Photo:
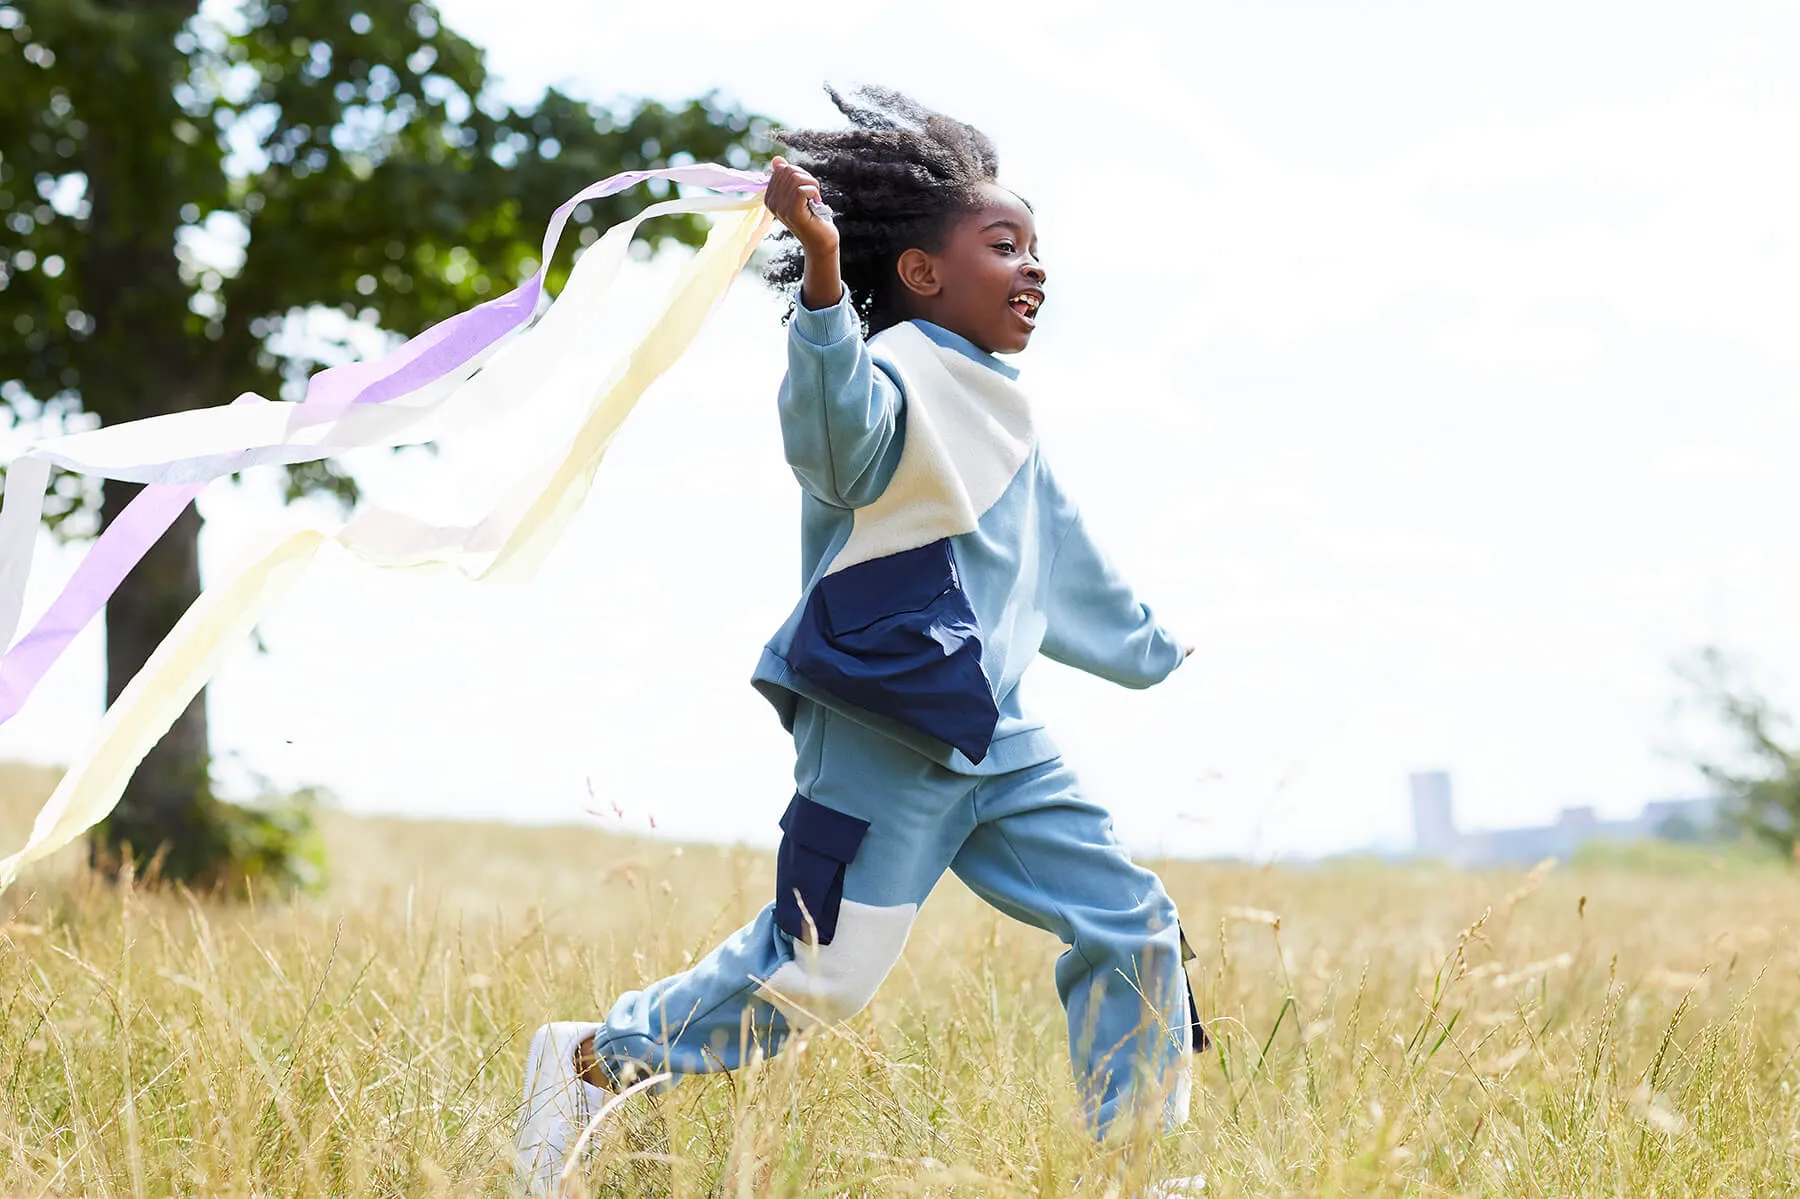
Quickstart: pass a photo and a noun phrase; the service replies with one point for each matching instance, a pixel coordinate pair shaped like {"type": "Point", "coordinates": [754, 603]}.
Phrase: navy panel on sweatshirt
{"type": "Point", "coordinates": [896, 636]}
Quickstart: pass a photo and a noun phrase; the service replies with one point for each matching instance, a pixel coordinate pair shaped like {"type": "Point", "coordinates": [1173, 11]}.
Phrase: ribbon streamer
{"type": "Point", "coordinates": [421, 373]}
{"type": "Point", "coordinates": [554, 360]}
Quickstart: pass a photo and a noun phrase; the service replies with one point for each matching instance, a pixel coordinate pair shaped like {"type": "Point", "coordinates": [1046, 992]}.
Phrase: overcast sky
{"type": "Point", "coordinates": [1433, 368]}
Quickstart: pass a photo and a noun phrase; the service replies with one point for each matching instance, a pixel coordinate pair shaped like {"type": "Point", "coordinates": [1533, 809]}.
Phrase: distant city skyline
{"type": "Point", "coordinates": [1437, 835]}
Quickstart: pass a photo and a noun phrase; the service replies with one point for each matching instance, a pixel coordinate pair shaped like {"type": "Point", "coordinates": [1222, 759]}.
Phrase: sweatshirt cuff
{"type": "Point", "coordinates": [1175, 646]}
{"type": "Point", "coordinates": [824, 326]}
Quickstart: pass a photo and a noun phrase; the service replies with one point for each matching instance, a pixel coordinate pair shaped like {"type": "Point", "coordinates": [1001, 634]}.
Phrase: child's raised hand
{"type": "Point", "coordinates": [788, 195]}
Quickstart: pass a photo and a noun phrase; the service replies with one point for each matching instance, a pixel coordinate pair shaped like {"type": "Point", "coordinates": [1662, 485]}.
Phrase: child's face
{"type": "Point", "coordinates": [985, 281]}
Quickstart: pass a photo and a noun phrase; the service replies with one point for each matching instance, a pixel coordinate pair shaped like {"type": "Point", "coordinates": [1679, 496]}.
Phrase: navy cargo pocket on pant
{"type": "Point", "coordinates": [817, 843]}
{"type": "Point", "coordinates": [1200, 1042]}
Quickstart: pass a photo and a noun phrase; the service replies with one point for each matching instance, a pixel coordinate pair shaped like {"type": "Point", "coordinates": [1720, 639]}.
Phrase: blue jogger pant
{"type": "Point", "coordinates": [872, 828]}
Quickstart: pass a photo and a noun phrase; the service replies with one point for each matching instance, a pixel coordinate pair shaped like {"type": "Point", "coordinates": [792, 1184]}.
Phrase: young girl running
{"type": "Point", "coordinates": [940, 557]}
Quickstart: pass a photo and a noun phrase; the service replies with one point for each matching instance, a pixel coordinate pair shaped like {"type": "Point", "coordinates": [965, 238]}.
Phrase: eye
{"type": "Point", "coordinates": [1004, 246]}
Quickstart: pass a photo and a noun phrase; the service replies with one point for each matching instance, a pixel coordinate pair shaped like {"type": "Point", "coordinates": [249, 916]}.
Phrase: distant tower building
{"type": "Point", "coordinates": [1578, 821]}
{"type": "Point", "coordinates": [1434, 820]}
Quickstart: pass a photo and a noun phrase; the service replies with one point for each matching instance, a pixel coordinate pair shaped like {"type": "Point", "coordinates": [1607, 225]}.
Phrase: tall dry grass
{"type": "Point", "coordinates": [1586, 1031]}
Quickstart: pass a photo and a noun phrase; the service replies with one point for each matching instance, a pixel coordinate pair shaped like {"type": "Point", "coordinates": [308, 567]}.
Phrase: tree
{"type": "Point", "coordinates": [1762, 790]}
{"type": "Point", "coordinates": [178, 192]}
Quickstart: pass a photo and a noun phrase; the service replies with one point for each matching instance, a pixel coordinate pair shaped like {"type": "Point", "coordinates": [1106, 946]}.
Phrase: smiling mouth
{"type": "Point", "coordinates": [1026, 304]}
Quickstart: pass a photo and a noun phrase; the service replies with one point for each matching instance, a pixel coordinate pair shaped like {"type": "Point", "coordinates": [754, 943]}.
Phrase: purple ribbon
{"type": "Point", "coordinates": [126, 540]}
{"type": "Point", "coordinates": [438, 351]}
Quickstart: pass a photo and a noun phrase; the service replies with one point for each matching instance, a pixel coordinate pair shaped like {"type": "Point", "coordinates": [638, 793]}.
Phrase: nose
{"type": "Point", "coordinates": [1035, 272]}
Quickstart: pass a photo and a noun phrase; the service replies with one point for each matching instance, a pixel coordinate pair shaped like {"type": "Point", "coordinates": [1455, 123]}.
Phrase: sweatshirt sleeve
{"type": "Point", "coordinates": [1094, 621]}
{"type": "Point", "coordinates": [842, 416]}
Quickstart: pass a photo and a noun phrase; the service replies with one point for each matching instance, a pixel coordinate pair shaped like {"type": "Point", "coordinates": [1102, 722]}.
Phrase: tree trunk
{"type": "Point", "coordinates": [167, 805]}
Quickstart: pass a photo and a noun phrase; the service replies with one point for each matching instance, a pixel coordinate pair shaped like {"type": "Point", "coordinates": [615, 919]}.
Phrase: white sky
{"type": "Point", "coordinates": [1432, 367]}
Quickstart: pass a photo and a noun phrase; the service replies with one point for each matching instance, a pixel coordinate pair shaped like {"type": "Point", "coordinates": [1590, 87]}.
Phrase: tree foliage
{"type": "Point", "coordinates": [176, 191]}
{"type": "Point", "coordinates": [1761, 783]}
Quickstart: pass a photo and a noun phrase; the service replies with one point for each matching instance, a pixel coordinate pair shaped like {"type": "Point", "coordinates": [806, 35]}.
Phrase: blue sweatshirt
{"type": "Point", "coordinates": [919, 636]}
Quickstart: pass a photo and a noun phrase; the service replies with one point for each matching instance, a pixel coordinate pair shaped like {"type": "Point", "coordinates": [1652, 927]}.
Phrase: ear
{"type": "Point", "coordinates": [918, 271]}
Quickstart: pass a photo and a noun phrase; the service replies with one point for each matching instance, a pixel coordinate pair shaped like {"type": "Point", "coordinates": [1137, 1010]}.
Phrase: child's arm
{"type": "Point", "coordinates": [841, 415]}
{"type": "Point", "coordinates": [1094, 621]}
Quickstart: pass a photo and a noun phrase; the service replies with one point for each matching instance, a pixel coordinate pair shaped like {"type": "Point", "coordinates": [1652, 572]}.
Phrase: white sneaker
{"type": "Point", "coordinates": [557, 1105]}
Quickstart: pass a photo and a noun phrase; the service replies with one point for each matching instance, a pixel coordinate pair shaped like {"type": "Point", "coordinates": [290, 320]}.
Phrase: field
{"type": "Point", "coordinates": [1609, 1028]}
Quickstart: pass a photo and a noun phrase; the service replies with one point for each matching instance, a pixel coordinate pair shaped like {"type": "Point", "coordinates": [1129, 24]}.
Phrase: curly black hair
{"type": "Point", "coordinates": [893, 181]}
